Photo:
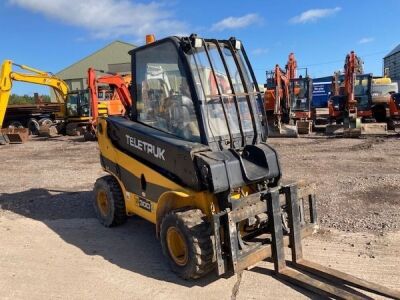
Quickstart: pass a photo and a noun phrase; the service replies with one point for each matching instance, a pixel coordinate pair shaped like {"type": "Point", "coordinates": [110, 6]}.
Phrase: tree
{"type": "Point", "coordinates": [26, 99]}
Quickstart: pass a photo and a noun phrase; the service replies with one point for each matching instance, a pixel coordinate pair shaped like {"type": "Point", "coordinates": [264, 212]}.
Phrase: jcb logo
{"type": "Point", "coordinates": [145, 204]}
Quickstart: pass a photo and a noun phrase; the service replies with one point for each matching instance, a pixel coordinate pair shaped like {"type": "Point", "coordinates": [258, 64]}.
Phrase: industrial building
{"type": "Point", "coordinates": [112, 58]}
{"type": "Point", "coordinates": [391, 64]}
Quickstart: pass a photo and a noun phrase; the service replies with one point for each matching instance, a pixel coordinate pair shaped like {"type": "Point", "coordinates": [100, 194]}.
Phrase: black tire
{"type": "Point", "coordinates": [45, 122]}
{"type": "Point", "coordinates": [33, 126]}
{"type": "Point", "coordinates": [114, 213]}
{"type": "Point", "coordinates": [89, 136]}
{"type": "Point", "coordinates": [196, 233]}
{"type": "Point", "coordinates": [15, 124]}
{"type": "Point", "coordinates": [71, 129]}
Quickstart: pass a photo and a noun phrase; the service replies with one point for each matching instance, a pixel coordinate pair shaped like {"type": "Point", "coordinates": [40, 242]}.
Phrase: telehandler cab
{"type": "Point", "coordinates": [192, 158]}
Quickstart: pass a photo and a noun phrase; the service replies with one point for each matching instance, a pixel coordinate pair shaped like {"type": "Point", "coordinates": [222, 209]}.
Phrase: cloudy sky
{"type": "Point", "coordinates": [51, 35]}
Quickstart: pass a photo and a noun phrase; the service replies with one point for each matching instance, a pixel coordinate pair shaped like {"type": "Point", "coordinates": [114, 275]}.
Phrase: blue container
{"type": "Point", "coordinates": [321, 91]}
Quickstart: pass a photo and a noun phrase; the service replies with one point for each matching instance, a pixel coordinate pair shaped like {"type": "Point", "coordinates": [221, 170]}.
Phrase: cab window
{"type": "Point", "coordinates": [164, 100]}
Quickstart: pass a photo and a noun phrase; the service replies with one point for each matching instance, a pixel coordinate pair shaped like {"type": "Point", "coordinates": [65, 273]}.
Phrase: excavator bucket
{"type": "Point", "coordinates": [284, 131]}
{"type": "Point", "coordinates": [374, 129]}
{"type": "Point", "coordinates": [396, 127]}
{"type": "Point", "coordinates": [4, 139]}
{"type": "Point", "coordinates": [304, 126]}
{"type": "Point", "coordinates": [334, 129]}
{"type": "Point", "coordinates": [351, 132]}
{"type": "Point", "coordinates": [48, 131]}
{"type": "Point", "coordinates": [352, 127]}
{"type": "Point", "coordinates": [16, 135]}
{"type": "Point", "coordinates": [365, 129]}
{"type": "Point", "coordinates": [301, 223]}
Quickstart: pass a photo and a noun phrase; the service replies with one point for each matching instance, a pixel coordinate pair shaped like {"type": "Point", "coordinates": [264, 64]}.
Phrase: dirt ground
{"type": "Point", "coordinates": [51, 245]}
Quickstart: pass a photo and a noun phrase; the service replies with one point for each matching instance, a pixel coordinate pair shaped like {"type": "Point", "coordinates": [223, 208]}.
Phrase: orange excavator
{"type": "Point", "coordinates": [350, 106]}
{"type": "Point", "coordinates": [342, 104]}
{"type": "Point", "coordinates": [300, 96]}
{"type": "Point", "coordinates": [277, 101]}
{"type": "Point", "coordinates": [394, 111]}
{"type": "Point", "coordinates": [109, 96]}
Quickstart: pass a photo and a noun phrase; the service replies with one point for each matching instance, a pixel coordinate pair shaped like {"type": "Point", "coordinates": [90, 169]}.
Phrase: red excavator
{"type": "Point", "coordinates": [394, 110]}
{"type": "Point", "coordinates": [350, 117]}
{"type": "Point", "coordinates": [288, 101]}
{"type": "Point", "coordinates": [350, 106]}
{"type": "Point", "coordinates": [109, 95]}
{"type": "Point", "coordinates": [277, 101]}
{"type": "Point", "coordinates": [300, 95]}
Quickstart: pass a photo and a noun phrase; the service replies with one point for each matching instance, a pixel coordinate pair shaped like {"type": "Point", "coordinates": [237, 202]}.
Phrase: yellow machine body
{"type": "Point", "coordinates": [8, 76]}
{"type": "Point", "coordinates": [176, 197]}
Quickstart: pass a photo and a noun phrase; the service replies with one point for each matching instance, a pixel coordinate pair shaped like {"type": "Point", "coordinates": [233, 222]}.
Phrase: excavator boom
{"type": "Point", "coordinates": [116, 82]}
{"type": "Point", "coordinates": [350, 109]}
{"type": "Point", "coordinates": [8, 76]}
{"type": "Point", "coordinates": [291, 66]}
{"type": "Point", "coordinates": [277, 101]}
{"type": "Point", "coordinates": [110, 107]}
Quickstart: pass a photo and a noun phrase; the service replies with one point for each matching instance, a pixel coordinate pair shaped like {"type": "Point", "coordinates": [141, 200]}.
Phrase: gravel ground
{"type": "Point", "coordinates": [49, 234]}
{"type": "Point", "coordinates": [357, 179]}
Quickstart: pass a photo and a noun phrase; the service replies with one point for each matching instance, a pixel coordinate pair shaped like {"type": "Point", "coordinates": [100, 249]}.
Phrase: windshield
{"type": "Point", "coordinates": [164, 100]}
{"type": "Point", "coordinates": [362, 91]}
{"type": "Point", "coordinates": [223, 88]}
{"type": "Point", "coordinates": [300, 93]}
{"type": "Point", "coordinates": [78, 104]}
{"type": "Point", "coordinates": [338, 102]}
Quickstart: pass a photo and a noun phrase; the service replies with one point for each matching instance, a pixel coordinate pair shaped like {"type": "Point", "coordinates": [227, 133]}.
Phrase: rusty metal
{"type": "Point", "coordinates": [236, 253]}
{"type": "Point", "coordinates": [4, 139]}
{"type": "Point", "coordinates": [43, 108]}
{"type": "Point", "coordinates": [244, 251]}
{"type": "Point", "coordinates": [221, 263]}
{"type": "Point", "coordinates": [48, 131]}
{"type": "Point", "coordinates": [304, 126]}
{"type": "Point", "coordinates": [16, 135]}
{"type": "Point", "coordinates": [281, 269]}
{"type": "Point", "coordinates": [374, 129]}
{"type": "Point", "coordinates": [339, 277]}
{"type": "Point", "coordinates": [317, 286]}
{"type": "Point", "coordinates": [265, 251]}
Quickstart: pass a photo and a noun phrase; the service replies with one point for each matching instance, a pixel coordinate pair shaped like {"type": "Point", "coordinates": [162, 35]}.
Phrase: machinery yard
{"type": "Point", "coordinates": [46, 219]}
{"type": "Point", "coordinates": [151, 150]}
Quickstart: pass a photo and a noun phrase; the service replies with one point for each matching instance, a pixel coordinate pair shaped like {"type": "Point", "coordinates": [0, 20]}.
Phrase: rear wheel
{"type": "Point", "coordinates": [16, 124]}
{"type": "Point", "coordinates": [89, 135]}
{"type": "Point", "coordinates": [45, 122]}
{"type": "Point", "coordinates": [187, 243]}
{"type": "Point", "coordinates": [109, 203]}
{"type": "Point", "coordinates": [33, 126]}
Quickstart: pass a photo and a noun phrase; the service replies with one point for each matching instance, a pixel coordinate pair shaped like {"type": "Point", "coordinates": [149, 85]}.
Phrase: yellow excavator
{"type": "Point", "coordinates": [192, 157]}
{"type": "Point", "coordinates": [8, 76]}
{"type": "Point", "coordinates": [71, 110]}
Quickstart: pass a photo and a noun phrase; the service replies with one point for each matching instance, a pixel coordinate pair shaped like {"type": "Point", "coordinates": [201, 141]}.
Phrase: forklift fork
{"type": "Point", "coordinates": [334, 277]}
{"type": "Point", "coordinates": [235, 255]}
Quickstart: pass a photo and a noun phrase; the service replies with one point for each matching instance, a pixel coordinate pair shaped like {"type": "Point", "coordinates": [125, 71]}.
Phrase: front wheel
{"type": "Point", "coordinates": [109, 203]}
{"type": "Point", "coordinates": [187, 243]}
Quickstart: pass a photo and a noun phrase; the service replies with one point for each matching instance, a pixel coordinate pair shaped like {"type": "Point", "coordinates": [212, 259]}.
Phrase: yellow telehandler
{"type": "Point", "coordinates": [192, 158]}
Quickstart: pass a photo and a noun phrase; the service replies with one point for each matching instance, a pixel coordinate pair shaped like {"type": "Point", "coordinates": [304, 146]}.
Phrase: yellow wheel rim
{"type": "Point", "coordinates": [103, 203]}
{"type": "Point", "coordinates": [176, 246]}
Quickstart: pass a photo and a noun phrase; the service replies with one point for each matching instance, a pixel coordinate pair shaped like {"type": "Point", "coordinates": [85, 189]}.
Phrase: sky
{"type": "Point", "coordinates": [51, 35]}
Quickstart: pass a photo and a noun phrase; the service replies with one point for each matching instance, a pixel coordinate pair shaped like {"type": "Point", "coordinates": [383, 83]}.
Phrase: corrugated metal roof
{"type": "Point", "coordinates": [115, 52]}
{"type": "Point", "coordinates": [395, 50]}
